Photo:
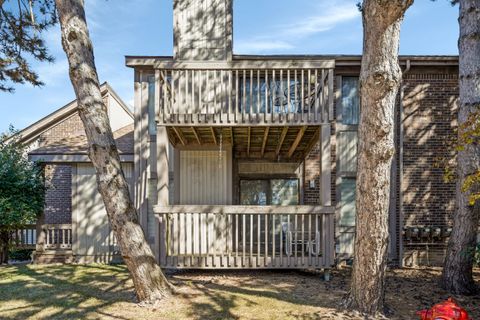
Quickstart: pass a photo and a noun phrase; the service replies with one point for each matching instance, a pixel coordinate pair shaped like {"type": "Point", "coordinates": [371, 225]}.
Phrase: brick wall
{"type": "Point", "coordinates": [430, 106]}
{"type": "Point", "coordinates": [58, 197]}
{"type": "Point", "coordinates": [70, 127]}
{"type": "Point", "coordinates": [430, 111]}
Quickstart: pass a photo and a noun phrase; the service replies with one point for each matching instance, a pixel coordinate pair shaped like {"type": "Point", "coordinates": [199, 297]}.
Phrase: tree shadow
{"type": "Point", "coordinates": [71, 291]}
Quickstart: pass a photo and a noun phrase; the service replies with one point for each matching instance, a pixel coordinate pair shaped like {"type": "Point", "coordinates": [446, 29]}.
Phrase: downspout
{"type": "Point", "coordinates": [400, 166]}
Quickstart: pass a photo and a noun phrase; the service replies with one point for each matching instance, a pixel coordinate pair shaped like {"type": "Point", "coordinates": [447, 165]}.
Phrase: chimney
{"type": "Point", "coordinates": [202, 30]}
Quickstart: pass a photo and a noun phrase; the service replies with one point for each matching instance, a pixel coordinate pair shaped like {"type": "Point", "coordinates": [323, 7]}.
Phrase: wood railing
{"type": "Point", "coordinates": [245, 236]}
{"type": "Point", "coordinates": [57, 236]}
{"type": "Point", "coordinates": [244, 93]}
{"type": "Point", "coordinates": [25, 238]}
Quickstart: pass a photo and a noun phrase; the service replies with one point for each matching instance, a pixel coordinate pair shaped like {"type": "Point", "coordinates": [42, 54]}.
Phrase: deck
{"type": "Point", "coordinates": [284, 237]}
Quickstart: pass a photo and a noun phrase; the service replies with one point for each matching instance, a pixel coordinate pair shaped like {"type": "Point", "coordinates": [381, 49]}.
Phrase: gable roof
{"type": "Point", "coordinates": [78, 145]}
{"type": "Point", "coordinates": [31, 132]}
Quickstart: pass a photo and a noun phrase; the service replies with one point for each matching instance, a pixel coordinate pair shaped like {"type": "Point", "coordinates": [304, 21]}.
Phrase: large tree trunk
{"type": "Point", "coordinates": [4, 239]}
{"type": "Point", "coordinates": [380, 78]}
{"type": "Point", "coordinates": [149, 281]}
{"type": "Point", "coordinates": [457, 272]}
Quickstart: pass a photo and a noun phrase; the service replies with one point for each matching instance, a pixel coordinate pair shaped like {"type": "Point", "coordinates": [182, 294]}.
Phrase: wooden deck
{"type": "Point", "coordinates": [268, 237]}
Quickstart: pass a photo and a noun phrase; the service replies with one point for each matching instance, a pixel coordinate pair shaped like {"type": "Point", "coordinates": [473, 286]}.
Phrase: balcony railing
{"type": "Point", "coordinates": [245, 236]}
{"type": "Point", "coordinates": [244, 93]}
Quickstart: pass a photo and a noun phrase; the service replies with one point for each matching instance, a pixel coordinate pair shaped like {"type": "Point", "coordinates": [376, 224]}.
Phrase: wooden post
{"type": "Point", "coordinates": [159, 247]}
{"type": "Point", "coordinates": [325, 165]}
{"type": "Point", "coordinates": [40, 241]}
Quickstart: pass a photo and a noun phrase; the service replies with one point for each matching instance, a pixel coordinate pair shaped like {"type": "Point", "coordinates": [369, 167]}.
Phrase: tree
{"type": "Point", "coordinates": [380, 78]}
{"type": "Point", "coordinates": [457, 272]}
{"type": "Point", "coordinates": [149, 281]}
{"type": "Point", "coordinates": [21, 190]}
{"type": "Point", "coordinates": [21, 24]}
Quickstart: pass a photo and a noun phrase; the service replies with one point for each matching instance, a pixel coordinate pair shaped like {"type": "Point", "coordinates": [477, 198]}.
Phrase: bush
{"type": "Point", "coordinates": [20, 254]}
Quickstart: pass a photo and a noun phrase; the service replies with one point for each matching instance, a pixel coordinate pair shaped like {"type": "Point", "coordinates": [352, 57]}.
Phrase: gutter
{"type": "Point", "coordinates": [400, 174]}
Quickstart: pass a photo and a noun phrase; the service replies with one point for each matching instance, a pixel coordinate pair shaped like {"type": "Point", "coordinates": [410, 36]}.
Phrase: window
{"type": "Point", "coordinates": [269, 192]}
{"type": "Point", "coordinates": [350, 101]}
{"type": "Point", "coordinates": [347, 205]}
{"type": "Point", "coordinates": [152, 125]}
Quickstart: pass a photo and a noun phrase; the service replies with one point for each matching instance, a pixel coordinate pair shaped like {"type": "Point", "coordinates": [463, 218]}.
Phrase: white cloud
{"type": "Point", "coordinates": [326, 16]}
{"type": "Point", "coordinates": [259, 45]}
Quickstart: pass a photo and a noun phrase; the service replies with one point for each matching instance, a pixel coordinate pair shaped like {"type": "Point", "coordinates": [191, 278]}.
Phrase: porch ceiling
{"type": "Point", "coordinates": [257, 142]}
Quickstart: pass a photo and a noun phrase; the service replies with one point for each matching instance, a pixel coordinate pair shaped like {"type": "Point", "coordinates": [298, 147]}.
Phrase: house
{"type": "Point", "coordinates": [250, 161]}
{"type": "Point", "coordinates": [74, 225]}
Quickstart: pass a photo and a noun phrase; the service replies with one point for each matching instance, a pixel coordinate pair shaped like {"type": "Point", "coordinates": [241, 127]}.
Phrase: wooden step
{"type": "Point", "coordinates": [53, 256]}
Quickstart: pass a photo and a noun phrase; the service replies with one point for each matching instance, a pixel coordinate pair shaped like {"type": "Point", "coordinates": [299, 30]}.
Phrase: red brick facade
{"type": "Point", "coordinates": [58, 197]}
{"type": "Point", "coordinates": [58, 177]}
{"type": "Point", "coordinates": [429, 120]}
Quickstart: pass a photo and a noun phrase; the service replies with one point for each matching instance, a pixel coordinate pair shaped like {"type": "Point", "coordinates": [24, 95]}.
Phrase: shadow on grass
{"type": "Point", "coordinates": [69, 291]}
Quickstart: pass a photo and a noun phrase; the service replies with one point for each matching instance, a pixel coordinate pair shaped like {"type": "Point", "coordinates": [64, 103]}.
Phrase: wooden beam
{"type": "Point", "coordinates": [280, 142]}
{"type": "Point", "coordinates": [237, 209]}
{"type": "Point", "coordinates": [296, 142]}
{"type": "Point", "coordinates": [231, 136]}
{"type": "Point", "coordinates": [248, 141]}
{"type": "Point", "coordinates": [265, 138]}
{"type": "Point", "coordinates": [180, 136]}
{"type": "Point", "coordinates": [213, 135]}
{"type": "Point", "coordinates": [196, 136]}
{"type": "Point", "coordinates": [312, 142]}
{"type": "Point", "coordinates": [325, 166]}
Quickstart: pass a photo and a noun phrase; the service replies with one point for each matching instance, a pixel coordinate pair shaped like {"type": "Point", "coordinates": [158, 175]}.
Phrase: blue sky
{"type": "Point", "coordinates": [144, 27]}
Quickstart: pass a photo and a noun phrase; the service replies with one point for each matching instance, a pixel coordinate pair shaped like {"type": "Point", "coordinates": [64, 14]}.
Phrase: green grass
{"type": "Point", "coordinates": [106, 292]}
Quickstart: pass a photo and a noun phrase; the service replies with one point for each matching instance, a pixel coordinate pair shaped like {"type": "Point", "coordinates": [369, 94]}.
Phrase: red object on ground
{"type": "Point", "coordinates": [448, 310]}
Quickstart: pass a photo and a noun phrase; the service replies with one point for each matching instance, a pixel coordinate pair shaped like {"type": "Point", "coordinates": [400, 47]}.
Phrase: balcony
{"type": "Point", "coordinates": [243, 92]}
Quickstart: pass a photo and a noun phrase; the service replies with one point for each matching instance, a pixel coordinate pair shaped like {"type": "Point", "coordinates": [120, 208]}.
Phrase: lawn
{"type": "Point", "coordinates": [105, 292]}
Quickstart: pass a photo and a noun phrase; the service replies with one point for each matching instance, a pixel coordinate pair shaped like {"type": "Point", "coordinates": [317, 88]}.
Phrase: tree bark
{"type": "Point", "coordinates": [457, 272]}
{"type": "Point", "coordinates": [380, 78]}
{"type": "Point", "coordinates": [149, 281]}
{"type": "Point", "coordinates": [4, 239]}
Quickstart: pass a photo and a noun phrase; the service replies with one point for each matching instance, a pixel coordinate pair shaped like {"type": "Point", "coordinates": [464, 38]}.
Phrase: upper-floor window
{"type": "Point", "coordinates": [152, 125]}
{"type": "Point", "coordinates": [350, 101]}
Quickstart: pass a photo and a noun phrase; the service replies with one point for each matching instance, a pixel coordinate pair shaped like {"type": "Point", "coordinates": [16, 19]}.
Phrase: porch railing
{"type": "Point", "coordinates": [244, 93]}
{"type": "Point", "coordinates": [25, 238]}
{"type": "Point", "coordinates": [57, 236]}
{"type": "Point", "coordinates": [245, 236]}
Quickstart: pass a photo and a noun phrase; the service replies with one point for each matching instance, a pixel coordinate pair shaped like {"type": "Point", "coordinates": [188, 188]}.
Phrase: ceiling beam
{"type": "Point", "coordinates": [280, 142]}
{"type": "Point", "coordinates": [296, 142]}
{"type": "Point", "coordinates": [196, 136]}
{"type": "Point", "coordinates": [180, 136]}
{"type": "Point", "coordinates": [213, 135]}
{"type": "Point", "coordinates": [265, 138]}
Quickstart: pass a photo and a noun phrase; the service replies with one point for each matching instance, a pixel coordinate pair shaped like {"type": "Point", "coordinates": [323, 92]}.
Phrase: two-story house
{"type": "Point", "coordinates": [250, 161]}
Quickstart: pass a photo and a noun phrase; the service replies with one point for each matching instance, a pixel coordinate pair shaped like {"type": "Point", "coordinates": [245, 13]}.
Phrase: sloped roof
{"type": "Point", "coordinates": [79, 145]}
{"type": "Point", "coordinates": [31, 132]}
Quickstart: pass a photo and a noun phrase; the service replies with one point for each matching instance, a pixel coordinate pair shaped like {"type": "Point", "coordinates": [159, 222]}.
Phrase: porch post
{"type": "Point", "coordinates": [163, 191]}
{"type": "Point", "coordinates": [40, 241]}
{"type": "Point", "coordinates": [325, 166]}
